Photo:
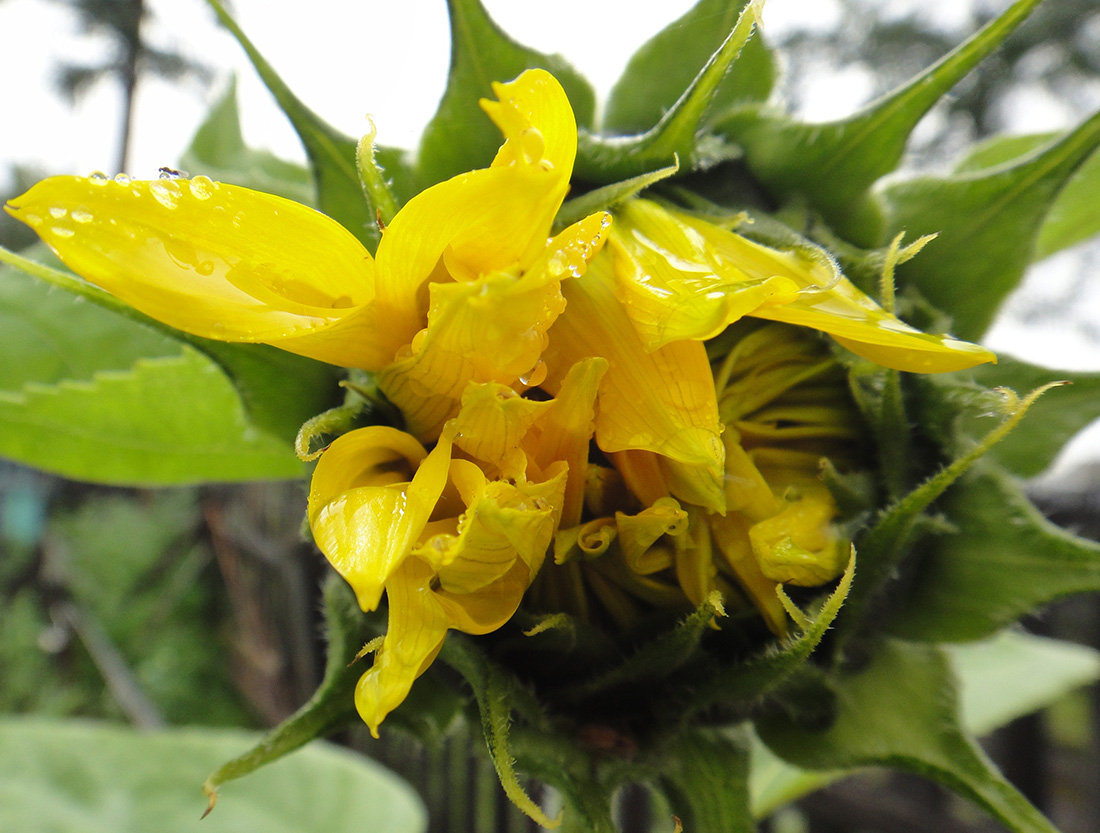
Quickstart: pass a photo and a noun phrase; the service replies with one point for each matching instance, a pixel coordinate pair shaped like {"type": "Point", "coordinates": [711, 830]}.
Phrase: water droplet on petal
{"type": "Point", "coordinates": [219, 329]}
{"type": "Point", "coordinates": [201, 187]}
{"type": "Point", "coordinates": [122, 179]}
{"type": "Point", "coordinates": [80, 215]}
{"type": "Point", "coordinates": [62, 231]}
{"type": "Point", "coordinates": [205, 268]}
{"type": "Point", "coordinates": [605, 221]}
{"type": "Point", "coordinates": [167, 193]}
{"type": "Point", "coordinates": [535, 376]}
{"type": "Point", "coordinates": [57, 211]}
{"type": "Point", "coordinates": [238, 218]}
{"type": "Point", "coordinates": [98, 178]}
{"type": "Point", "coordinates": [32, 220]}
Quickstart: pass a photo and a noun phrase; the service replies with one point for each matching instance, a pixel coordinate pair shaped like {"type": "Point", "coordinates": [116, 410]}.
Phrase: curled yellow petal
{"type": "Point", "coordinates": [661, 401]}
{"type": "Point", "coordinates": [363, 518]}
{"type": "Point", "coordinates": [216, 260]}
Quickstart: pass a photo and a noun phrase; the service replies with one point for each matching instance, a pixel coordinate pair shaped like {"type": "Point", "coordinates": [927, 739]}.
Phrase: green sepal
{"type": "Point", "coordinates": [924, 737]}
{"type": "Point", "coordinates": [608, 196]}
{"type": "Point", "coordinates": [460, 137]}
{"type": "Point", "coordinates": [217, 150]}
{"type": "Point", "coordinates": [987, 224]}
{"type": "Point", "coordinates": [665, 65]}
{"type": "Point", "coordinates": [331, 708]}
{"type": "Point", "coordinates": [954, 410]}
{"type": "Point", "coordinates": [704, 774]}
{"type": "Point", "coordinates": [655, 660]}
{"type": "Point", "coordinates": [498, 696]}
{"type": "Point", "coordinates": [999, 679]}
{"type": "Point", "coordinates": [1073, 217]}
{"type": "Point", "coordinates": [677, 136]}
{"type": "Point", "coordinates": [1003, 560]}
{"type": "Point", "coordinates": [883, 546]}
{"type": "Point", "coordinates": [332, 155]}
{"type": "Point", "coordinates": [746, 682]}
{"type": "Point", "coordinates": [97, 399]}
{"type": "Point", "coordinates": [832, 166]}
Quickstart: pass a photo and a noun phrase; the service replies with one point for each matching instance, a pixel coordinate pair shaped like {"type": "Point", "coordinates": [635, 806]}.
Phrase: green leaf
{"type": "Point", "coordinates": [987, 222]}
{"type": "Point", "coordinates": [218, 151]}
{"type": "Point", "coordinates": [1074, 217]}
{"type": "Point", "coordinates": [677, 137]}
{"type": "Point", "coordinates": [460, 137]}
{"type": "Point", "coordinates": [660, 71]}
{"type": "Point", "coordinates": [955, 409]}
{"type": "Point", "coordinates": [606, 197]}
{"type": "Point", "coordinates": [705, 776]}
{"type": "Point", "coordinates": [1003, 561]}
{"type": "Point", "coordinates": [119, 398]}
{"type": "Point", "coordinates": [833, 165]}
{"type": "Point", "coordinates": [1012, 674]}
{"type": "Point", "coordinates": [901, 712]}
{"type": "Point", "coordinates": [1000, 679]}
{"type": "Point", "coordinates": [101, 778]}
{"type": "Point", "coordinates": [332, 155]}
{"type": "Point", "coordinates": [331, 708]}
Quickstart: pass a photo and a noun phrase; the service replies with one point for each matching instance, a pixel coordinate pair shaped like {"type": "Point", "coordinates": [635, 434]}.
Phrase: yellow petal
{"type": "Point", "coordinates": [490, 329]}
{"type": "Point", "coordinates": [672, 283]}
{"type": "Point", "coordinates": [492, 422]}
{"type": "Point", "coordinates": [663, 401]}
{"type": "Point", "coordinates": [216, 260]}
{"type": "Point", "coordinates": [797, 545]}
{"type": "Point", "coordinates": [366, 530]}
{"type": "Point", "coordinates": [534, 103]}
{"type": "Point", "coordinates": [829, 302]}
{"type": "Point", "coordinates": [638, 533]}
{"type": "Point", "coordinates": [485, 221]}
{"type": "Point", "coordinates": [565, 430]}
{"type": "Point", "coordinates": [731, 534]}
{"type": "Point", "coordinates": [417, 626]}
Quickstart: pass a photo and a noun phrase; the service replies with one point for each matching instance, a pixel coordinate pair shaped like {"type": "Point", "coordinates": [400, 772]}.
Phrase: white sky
{"type": "Point", "coordinates": [389, 59]}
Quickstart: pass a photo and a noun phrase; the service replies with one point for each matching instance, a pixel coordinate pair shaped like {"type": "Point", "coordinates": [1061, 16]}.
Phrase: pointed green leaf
{"type": "Point", "coordinates": [677, 137]}
{"type": "Point", "coordinates": [100, 778]}
{"type": "Point", "coordinates": [1074, 217]}
{"type": "Point", "coordinates": [1003, 561]}
{"type": "Point", "coordinates": [833, 165]}
{"type": "Point", "coordinates": [331, 708]}
{"type": "Point", "coordinates": [460, 137]}
{"type": "Point", "coordinates": [705, 776]}
{"type": "Point", "coordinates": [331, 154]}
{"type": "Point", "coordinates": [955, 408]}
{"type": "Point", "coordinates": [987, 223]}
{"type": "Point", "coordinates": [218, 151]}
{"type": "Point", "coordinates": [901, 712]}
{"type": "Point", "coordinates": [606, 197]}
{"type": "Point", "coordinates": [1000, 679]}
{"type": "Point", "coordinates": [96, 395]}
{"type": "Point", "coordinates": [664, 67]}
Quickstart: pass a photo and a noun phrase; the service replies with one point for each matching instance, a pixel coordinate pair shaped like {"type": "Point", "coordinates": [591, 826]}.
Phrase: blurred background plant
{"type": "Point", "coordinates": [110, 597]}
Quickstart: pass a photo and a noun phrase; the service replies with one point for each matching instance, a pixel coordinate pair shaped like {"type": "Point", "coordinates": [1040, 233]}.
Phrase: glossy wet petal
{"type": "Point", "coordinates": [485, 221]}
{"type": "Point", "coordinates": [366, 530]}
{"type": "Point", "coordinates": [216, 260]}
{"type": "Point", "coordinates": [661, 401]}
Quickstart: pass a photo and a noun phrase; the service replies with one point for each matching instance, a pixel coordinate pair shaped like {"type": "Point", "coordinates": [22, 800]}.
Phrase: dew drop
{"type": "Point", "coordinates": [32, 220]}
{"type": "Point", "coordinates": [167, 193]}
{"type": "Point", "coordinates": [535, 376]}
{"type": "Point", "coordinates": [122, 179]}
{"type": "Point", "coordinates": [595, 241]}
{"type": "Point", "coordinates": [62, 231]}
{"type": "Point", "coordinates": [98, 178]}
{"type": "Point", "coordinates": [219, 329]}
{"type": "Point", "coordinates": [201, 187]}
{"type": "Point", "coordinates": [205, 268]}
{"type": "Point", "coordinates": [79, 215]}
{"type": "Point", "coordinates": [57, 212]}
{"type": "Point", "coordinates": [238, 218]}
{"type": "Point", "coordinates": [605, 221]}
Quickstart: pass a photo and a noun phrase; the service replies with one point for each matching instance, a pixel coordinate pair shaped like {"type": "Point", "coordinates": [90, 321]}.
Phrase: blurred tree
{"type": "Point", "coordinates": [121, 20]}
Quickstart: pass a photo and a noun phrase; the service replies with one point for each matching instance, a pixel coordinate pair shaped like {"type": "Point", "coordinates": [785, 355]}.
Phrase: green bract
{"type": "Point", "coordinates": [692, 704]}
